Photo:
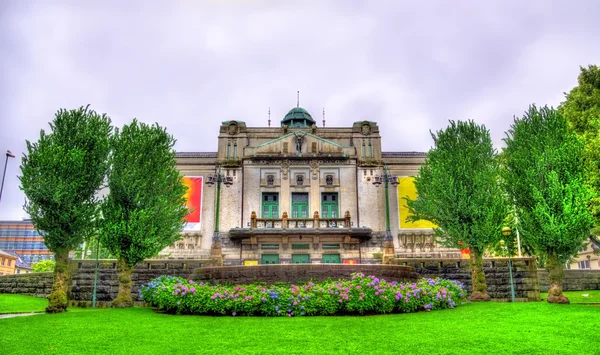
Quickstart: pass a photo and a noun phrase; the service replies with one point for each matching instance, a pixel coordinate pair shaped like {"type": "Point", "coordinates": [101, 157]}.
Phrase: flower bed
{"type": "Point", "coordinates": [359, 295]}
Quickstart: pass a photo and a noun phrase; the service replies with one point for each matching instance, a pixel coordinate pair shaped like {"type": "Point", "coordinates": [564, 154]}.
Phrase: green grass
{"type": "Point", "coordinates": [21, 304]}
{"type": "Point", "coordinates": [593, 296]}
{"type": "Point", "coordinates": [481, 328]}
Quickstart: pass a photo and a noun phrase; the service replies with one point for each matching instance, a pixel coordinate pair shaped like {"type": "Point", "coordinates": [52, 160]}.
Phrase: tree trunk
{"type": "Point", "coordinates": [555, 274]}
{"type": "Point", "coordinates": [58, 300]}
{"type": "Point", "coordinates": [478, 277]}
{"type": "Point", "coordinates": [124, 299]}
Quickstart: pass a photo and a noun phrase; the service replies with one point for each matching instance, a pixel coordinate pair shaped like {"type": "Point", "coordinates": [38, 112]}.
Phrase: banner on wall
{"type": "Point", "coordinates": [406, 188]}
{"type": "Point", "coordinates": [193, 198]}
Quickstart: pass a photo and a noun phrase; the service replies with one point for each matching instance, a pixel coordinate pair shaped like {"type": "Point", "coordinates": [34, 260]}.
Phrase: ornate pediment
{"type": "Point", "coordinates": [299, 143]}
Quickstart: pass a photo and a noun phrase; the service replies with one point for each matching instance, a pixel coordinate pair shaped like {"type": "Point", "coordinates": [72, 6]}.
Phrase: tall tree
{"type": "Point", "coordinates": [544, 176]}
{"type": "Point", "coordinates": [458, 189]}
{"type": "Point", "coordinates": [61, 175]}
{"type": "Point", "coordinates": [144, 210]}
{"type": "Point", "coordinates": [582, 111]}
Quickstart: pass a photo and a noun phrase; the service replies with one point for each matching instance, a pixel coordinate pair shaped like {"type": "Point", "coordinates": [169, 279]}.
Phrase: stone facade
{"type": "Point", "coordinates": [296, 161]}
{"type": "Point", "coordinates": [525, 276]}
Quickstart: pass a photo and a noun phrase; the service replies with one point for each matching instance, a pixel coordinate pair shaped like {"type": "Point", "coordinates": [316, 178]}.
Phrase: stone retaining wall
{"type": "Point", "coordinates": [527, 287]}
{"type": "Point", "coordinates": [82, 280]}
{"type": "Point", "coordinates": [300, 272]}
{"type": "Point", "coordinates": [34, 284]}
{"type": "Point", "coordinates": [574, 280]}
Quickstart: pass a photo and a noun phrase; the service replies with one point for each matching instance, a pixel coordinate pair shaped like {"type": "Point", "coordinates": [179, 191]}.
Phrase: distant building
{"type": "Point", "coordinates": [21, 267]}
{"type": "Point", "coordinates": [587, 258]}
{"type": "Point", "coordinates": [8, 263]}
{"type": "Point", "coordinates": [22, 239]}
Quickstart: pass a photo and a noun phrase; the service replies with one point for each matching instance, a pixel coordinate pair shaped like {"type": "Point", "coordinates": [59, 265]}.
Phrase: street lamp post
{"type": "Point", "coordinates": [8, 155]}
{"type": "Point", "coordinates": [506, 232]}
{"type": "Point", "coordinates": [388, 242]}
{"type": "Point", "coordinates": [218, 178]}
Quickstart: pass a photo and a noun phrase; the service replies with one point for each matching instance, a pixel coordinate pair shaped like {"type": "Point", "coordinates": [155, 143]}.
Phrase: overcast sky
{"type": "Point", "coordinates": [189, 65]}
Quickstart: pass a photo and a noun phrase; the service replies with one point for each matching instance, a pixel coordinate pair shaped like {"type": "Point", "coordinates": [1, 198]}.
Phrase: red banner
{"type": "Point", "coordinates": [193, 197]}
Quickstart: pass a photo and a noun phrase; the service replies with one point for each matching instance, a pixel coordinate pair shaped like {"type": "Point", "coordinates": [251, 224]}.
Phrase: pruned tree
{"type": "Point", "coordinates": [544, 175]}
{"type": "Point", "coordinates": [145, 208]}
{"type": "Point", "coordinates": [582, 111]}
{"type": "Point", "coordinates": [61, 175]}
{"type": "Point", "coordinates": [458, 190]}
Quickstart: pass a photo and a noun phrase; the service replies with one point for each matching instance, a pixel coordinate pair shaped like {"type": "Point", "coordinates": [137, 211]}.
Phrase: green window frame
{"type": "Point", "coordinates": [270, 205]}
{"type": "Point", "coordinates": [329, 205]}
{"type": "Point", "coordinates": [299, 205]}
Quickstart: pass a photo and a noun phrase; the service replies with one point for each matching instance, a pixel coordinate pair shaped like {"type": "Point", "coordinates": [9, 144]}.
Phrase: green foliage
{"type": "Point", "coordinates": [582, 106]}
{"type": "Point", "coordinates": [144, 210]}
{"type": "Point", "coordinates": [61, 176]}
{"type": "Point", "coordinates": [360, 295]}
{"type": "Point", "coordinates": [543, 175]}
{"type": "Point", "coordinates": [458, 188]}
{"type": "Point", "coordinates": [582, 111]}
{"type": "Point", "coordinates": [43, 266]}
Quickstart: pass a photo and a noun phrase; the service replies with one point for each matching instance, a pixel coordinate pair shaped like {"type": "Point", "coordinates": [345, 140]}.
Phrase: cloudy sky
{"type": "Point", "coordinates": [189, 65]}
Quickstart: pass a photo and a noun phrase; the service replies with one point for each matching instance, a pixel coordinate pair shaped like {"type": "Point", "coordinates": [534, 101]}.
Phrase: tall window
{"type": "Point", "coordinates": [329, 205]}
{"type": "Point", "coordinates": [270, 205]}
{"type": "Point", "coordinates": [584, 264]}
{"type": "Point", "coordinates": [299, 205]}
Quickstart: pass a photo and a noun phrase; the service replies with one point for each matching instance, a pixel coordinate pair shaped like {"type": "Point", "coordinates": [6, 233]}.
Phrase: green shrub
{"type": "Point", "coordinates": [359, 295]}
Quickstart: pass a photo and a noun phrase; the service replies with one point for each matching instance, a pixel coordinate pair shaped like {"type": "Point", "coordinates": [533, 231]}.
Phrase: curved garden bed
{"type": "Point", "coordinates": [359, 295]}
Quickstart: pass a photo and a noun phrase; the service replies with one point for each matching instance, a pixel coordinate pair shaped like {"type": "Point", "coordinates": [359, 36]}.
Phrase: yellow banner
{"type": "Point", "coordinates": [406, 188]}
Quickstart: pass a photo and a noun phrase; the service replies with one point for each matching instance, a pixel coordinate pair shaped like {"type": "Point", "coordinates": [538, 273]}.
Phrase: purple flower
{"type": "Point", "coordinates": [233, 314]}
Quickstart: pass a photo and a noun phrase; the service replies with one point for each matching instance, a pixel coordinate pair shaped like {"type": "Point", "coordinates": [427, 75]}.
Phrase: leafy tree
{"type": "Point", "coordinates": [43, 266]}
{"type": "Point", "coordinates": [144, 210]}
{"type": "Point", "coordinates": [543, 175]}
{"type": "Point", "coordinates": [61, 175]}
{"type": "Point", "coordinates": [582, 111]}
{"type": "Point", "coordinates": [458, 189]}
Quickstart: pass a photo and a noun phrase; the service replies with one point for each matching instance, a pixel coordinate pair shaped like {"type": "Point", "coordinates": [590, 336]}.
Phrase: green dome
{"type": "Point", "coordinates": [298, 117]}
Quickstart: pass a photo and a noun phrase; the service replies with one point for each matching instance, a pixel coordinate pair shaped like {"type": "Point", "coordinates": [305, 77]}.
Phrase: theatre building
{"type": "Point", "coordinates": [298, 193]}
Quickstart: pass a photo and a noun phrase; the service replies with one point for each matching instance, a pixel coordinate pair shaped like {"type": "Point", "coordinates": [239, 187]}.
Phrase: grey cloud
{"type": "Point", "coordinates": [189, 65]}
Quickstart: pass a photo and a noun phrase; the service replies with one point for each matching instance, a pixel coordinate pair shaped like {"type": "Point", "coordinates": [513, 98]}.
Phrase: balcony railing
{"type": "Point", "coordinates": [291, 223]}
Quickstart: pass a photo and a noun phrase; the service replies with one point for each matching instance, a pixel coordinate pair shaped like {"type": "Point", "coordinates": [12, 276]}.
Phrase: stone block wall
{"type": "Point", "coordinates": [300, 273]}
{"type": "Point", "coordinates": [526, 284]}
{"type": "Point", "coordinates": [574, 280]}
{"type": "Point", "coordinates": [82, 279]}
{"type": "Point", "coordinates": [34, 284]}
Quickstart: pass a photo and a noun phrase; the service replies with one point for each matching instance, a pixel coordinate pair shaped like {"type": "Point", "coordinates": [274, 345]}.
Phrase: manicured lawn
{"type": "Point", "coordinates": [490, 328]}
{"type": "Point", "coordinates": [592, 296]}
{"type": "Point", "coordinates": [21, 304]}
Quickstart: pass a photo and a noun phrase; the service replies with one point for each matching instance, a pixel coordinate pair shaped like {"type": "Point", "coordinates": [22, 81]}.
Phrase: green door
{"type": "Point", "coordinates": [300, 259]}
{"type": "Point", "coordinates": [270, 205]}
{"type": "Point", "coordinates": [331, 258]}
{"type": "Point", "coordinates": [329, 205]}
{"type": "Point", "coordinates": [299, 205]}
{"type": "Point", "coordinates": [269, 259]}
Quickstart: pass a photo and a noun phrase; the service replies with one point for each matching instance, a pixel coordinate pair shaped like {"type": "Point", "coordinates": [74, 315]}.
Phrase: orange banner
{"type": "Point", "coordinates": [193, 197]}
